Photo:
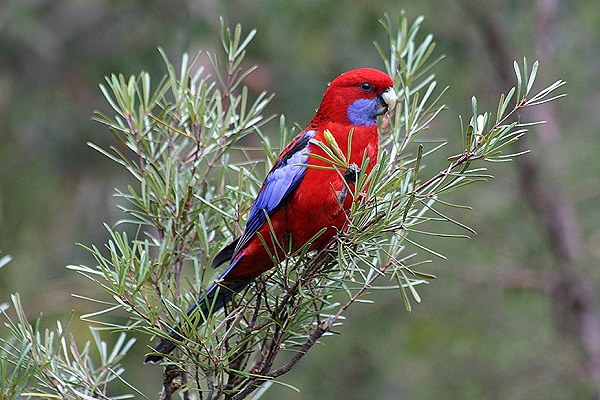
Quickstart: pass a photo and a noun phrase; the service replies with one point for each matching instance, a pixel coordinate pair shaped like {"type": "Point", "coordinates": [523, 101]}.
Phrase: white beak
{"type": "Point", "coordinates": [390, 98]}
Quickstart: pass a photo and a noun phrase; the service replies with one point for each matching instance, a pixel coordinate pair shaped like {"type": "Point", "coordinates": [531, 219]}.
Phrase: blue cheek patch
{"type": "Point", "coordinates": [363, 112]}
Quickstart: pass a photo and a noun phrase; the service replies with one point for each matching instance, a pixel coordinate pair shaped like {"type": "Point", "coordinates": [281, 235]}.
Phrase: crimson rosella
{"type": "Point", "coordinates": [299, 199]}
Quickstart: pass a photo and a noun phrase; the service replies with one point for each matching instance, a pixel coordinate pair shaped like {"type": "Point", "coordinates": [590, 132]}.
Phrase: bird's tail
{"type": "Point", "coordinates": [215, 299]}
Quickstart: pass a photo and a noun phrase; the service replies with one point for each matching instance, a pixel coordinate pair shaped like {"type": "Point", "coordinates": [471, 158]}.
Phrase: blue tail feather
{"type": "Point", "coordinates": [214, 300]}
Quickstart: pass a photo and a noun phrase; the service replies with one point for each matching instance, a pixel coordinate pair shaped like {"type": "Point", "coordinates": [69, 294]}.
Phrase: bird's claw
{"type": "Point", "coordinates": [350, 177]}
{"type": "Point", "coordinates": [351, 174]}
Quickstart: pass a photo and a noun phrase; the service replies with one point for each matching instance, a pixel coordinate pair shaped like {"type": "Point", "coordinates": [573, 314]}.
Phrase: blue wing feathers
{"type": "Point", "coordinates": [284, 177]}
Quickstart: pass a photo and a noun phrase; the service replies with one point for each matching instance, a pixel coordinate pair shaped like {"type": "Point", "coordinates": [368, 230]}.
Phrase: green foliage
{"type": "Point", "coordinates": [181, 141]}
{"type": "Point", "coordinates": [51, 365]}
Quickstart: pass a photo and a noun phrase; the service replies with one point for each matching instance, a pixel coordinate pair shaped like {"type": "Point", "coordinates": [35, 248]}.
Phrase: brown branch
{"type": "Point", "coordinates": [312, 339]}
{"type": "Point", "coordinates": [326, 325]}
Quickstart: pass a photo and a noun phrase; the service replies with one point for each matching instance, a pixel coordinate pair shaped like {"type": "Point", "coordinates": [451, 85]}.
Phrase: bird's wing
{"type": "Point", "coordinates": [284, 177]}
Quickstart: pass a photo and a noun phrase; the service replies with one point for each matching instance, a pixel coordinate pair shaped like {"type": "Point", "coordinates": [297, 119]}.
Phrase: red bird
{"type": "Point", "coordinates": [301, 200]}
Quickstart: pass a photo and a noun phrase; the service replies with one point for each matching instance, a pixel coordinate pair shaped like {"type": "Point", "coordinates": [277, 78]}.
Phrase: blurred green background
{"type": "Point", "coordinates": [513, 313]}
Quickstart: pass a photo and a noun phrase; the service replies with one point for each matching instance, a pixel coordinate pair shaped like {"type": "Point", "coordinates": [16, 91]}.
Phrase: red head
{"type": "Point", "coordinates": [356, 98]}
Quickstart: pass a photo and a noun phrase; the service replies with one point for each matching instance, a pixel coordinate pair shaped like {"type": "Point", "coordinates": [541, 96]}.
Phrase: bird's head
{"type": "Point", "coordinates": [357, 97]}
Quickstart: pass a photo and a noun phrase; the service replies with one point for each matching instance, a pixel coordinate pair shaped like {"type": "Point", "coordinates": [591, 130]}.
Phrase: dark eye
{"type": "Point", "coordinates": [366, 86]}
